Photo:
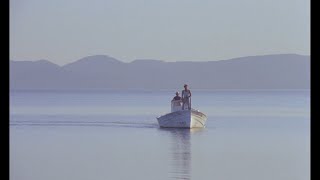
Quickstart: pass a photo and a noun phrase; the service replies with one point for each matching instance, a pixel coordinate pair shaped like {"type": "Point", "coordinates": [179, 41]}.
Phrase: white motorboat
{"type": "Point", "coordinates": [182, 118]}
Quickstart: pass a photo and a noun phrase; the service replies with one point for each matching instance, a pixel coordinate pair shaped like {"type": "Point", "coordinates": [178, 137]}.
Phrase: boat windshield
{"type": "Point", "coordinates": [176, 105]}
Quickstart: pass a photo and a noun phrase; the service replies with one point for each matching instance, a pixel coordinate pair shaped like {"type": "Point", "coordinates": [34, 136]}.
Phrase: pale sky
{"type": "Point", "coordinates": [63, 31]}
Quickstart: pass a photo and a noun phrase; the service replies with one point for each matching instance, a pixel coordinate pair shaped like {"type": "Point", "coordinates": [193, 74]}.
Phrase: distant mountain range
{"type": "Point", "coordinates": [282, 71]}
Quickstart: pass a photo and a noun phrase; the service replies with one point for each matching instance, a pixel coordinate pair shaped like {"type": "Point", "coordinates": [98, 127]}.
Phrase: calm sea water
{"type": "Point", "coordinates": [82, 135]}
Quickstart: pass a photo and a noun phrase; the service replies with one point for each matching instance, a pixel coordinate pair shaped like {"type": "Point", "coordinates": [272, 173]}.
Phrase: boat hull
{"type": "Point", "coordinates": [183, 119]}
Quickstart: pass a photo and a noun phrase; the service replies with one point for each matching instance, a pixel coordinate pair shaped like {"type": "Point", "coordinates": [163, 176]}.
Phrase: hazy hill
{"type": "Point", "coordinates": [284, 71]}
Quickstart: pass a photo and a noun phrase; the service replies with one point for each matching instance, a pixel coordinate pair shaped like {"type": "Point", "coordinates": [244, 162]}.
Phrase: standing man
{"type": "Point", "coordinates": [186, 94]}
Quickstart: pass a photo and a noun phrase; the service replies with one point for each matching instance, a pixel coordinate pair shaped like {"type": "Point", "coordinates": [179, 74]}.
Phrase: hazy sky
{"type": "Point", "coordinates": [63, 31]}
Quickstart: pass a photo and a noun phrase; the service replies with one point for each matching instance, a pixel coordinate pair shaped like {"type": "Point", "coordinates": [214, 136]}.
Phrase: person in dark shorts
{"type": "Point", "coordinates": [186, 94]}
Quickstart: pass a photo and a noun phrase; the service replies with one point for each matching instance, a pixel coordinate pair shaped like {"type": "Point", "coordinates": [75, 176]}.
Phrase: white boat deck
{"type": "Point", "coordinates": [182, 118]}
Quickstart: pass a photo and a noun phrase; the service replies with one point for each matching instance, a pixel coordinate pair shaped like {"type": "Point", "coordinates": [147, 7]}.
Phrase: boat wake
{"type": "Point", "coordinates": [135, 122]}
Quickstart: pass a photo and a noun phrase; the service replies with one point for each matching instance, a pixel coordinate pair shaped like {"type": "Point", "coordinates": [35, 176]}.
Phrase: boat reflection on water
{"type": "Point", "coordinates": [180, 152]}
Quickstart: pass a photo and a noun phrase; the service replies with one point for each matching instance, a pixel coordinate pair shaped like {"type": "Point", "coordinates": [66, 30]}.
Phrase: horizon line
{"type": "Point", "coordinates": [150, 59]}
